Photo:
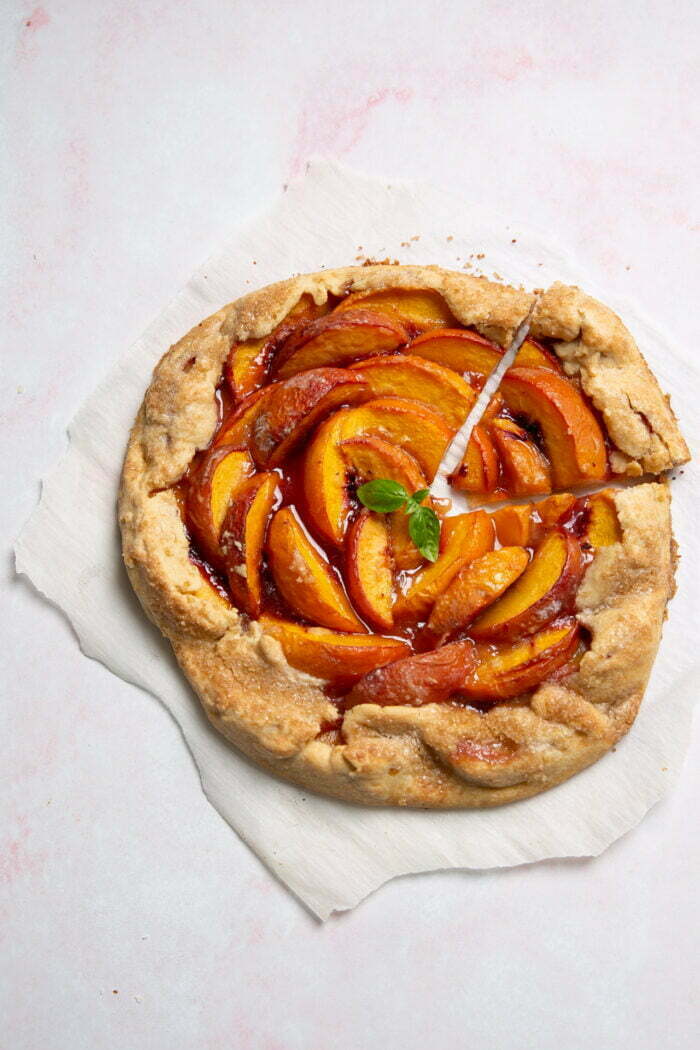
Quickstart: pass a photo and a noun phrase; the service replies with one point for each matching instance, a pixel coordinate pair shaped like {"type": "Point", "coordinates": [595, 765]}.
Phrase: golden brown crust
{"type": "Point", "coordinates": [435, 756]}
{"type": "Point", "coordinates": [595, 346]}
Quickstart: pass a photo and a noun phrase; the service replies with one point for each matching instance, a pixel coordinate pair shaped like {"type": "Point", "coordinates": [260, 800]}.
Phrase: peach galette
{"type": "Point", "coordinates": [343, 623]}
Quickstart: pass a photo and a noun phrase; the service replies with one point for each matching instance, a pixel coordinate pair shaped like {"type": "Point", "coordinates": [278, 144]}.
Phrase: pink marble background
{"type": "Point", "coordinates": [137, 135]}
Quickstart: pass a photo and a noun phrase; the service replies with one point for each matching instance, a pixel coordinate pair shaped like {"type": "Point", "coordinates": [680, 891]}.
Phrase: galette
{"type": "Point", "coordinates": [407, 531]}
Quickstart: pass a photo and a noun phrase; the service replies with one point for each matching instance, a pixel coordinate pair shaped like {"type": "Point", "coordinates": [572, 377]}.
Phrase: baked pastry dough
{"type": "Point", "coordinates": [354, 743]}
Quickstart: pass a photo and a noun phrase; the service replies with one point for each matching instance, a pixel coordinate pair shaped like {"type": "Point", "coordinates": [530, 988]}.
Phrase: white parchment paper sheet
{"type": "Point", "coordinates": [331, 855]}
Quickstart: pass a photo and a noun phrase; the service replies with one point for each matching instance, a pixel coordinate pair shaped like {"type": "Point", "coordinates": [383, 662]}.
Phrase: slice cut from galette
{"type": "Point", "coordinates": [578, 406]}
{"type": "Point", "coordinates": [343, 626]}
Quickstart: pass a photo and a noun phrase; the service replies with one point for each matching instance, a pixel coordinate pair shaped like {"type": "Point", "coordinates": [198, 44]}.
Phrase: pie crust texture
{"type": "Point", "coordinates": [439, 755]}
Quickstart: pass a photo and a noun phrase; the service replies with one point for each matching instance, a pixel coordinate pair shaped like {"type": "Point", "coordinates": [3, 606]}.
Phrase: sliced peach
{"type": "Point", "coordinates": [462, 351]}
{"type": "Point", "coordinates": [369, 570]}
{"type": "Point", "coordinates": [408, 425]}
{"type": "Point", "coordinates": [418, 430]}
{"type": "Point", "coordinates": [476, 587]}
{"type": "Point", "coordinates": [514, 526]}
{"type": "Point", "coordinates": [370, 458]}
{"type": "Point", "coordinates": [417, 308]}
{"type": "Point", "coordinates": [543, 592]}
{"type": "Point", "coordinates": [246, 367]}
{"type": "Point", "coordinates": [533, 355]}
{"type": "Point", "coordinates": [494, 408]}
{"type": "Point", "coordinates": [301, 314]}
{"type": "Point", "coordinates": [247, 363]}
{"type": "Point", "coordinates": [325, 482]}
{"type": "Point", "coordinates": [296, 406]}
{"type": "Point", "coordinates": [464, 538]}
{"type": "Point", "coordinates": [211, 488]}
{"type": "Point", "coordinates": [243, 537]}
{"type": "Point", "coordinates": [406, 376]}
{"type": "Point", "coordinates": [429, 678]}
{"type": "Point", "coordinates": [237, 429]}
{"type": "Point", "coordinates": [555, 509]}
{"type": "Point", "coordinates": [479, 469]}
{"type": "Point", "coordinates": [337, 339]}
{"type": "Point", "coordinates": [572, 436]}
{"type": "Point", "coordinates": [524, 470]}
{"type": "Point", "coordinates": [603, 527]}
{"type": "Point", "coordinates": [520, 668]}
{"type": "Point", "coordinates": [304, 578]}
{"type": "Point", "coordinates": [331, 654]}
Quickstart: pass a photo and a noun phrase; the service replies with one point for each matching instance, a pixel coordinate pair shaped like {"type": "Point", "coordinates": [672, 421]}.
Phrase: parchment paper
{"type": "Point", "coordinates": [329, 854]}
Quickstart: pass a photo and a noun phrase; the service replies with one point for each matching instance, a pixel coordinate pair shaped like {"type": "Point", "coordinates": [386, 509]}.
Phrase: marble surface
{"type": "Point", "coordinates": [137, 135]}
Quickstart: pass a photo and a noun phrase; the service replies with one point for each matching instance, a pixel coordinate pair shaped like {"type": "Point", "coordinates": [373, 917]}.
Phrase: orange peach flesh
{"type": "Point", "coordinates": [478, 471]}
{"type": "Point", "coordinates": [330, 654]}
{"type": "Point", "coordinates": [539, 596]}
{"type": "Point", "coordinates": [371, 458]}
{"type": "Point", "coordinates": [525, 470]}
{"type": "Point", "coordinates": [532, 355]}
{"type": "Point", "coordinates": [243, 537]}
{"type": "Point", "coordinates": [572, 436]}
{"type": "Point", "coordinates": [210, 490]}
{"type": "Point", "coordinates": [325, 482]}
{"type": "Point", "coordinates": [238, 427]}
{"type": "Point", "coordinates": [296, 406]}
{"type": "Point", "coordinates": [416, 429]}
{"type": "Point", "coordinates": [338, 339]}
{"type": "Point", "coordinates": [553, 510]}
{"type": "Point", "coordinates": [463, 352]}
{"type": "Point", "coordinates": [418, 379]}
{"type": "Point", "coordinates": [416, 307]}
{"type": "Point", "coordinates": [514, 525]}
{"type": "Point", "coordinates": [520, 668]}
{"type": "Point", "coordinates": [246, 367]}
{"type": "Point", "coordinates": [466, 537]}
{"type": "Point", "coordinates": [603, 527]}
{"type": "Point", "coordinates": [475, 588]}
{"type": "Point", "coordinates": [304, 578]}
{"type": "Point", "coordinates": [369, 575]}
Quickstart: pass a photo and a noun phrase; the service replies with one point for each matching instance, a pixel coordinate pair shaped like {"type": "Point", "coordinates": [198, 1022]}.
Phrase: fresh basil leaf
{"type": "Point", "coordinates": [424, 530]}
{"type": "Point", "coordinates": [382, 495]}
{"type": "Point", "coordinates": [414, 501]}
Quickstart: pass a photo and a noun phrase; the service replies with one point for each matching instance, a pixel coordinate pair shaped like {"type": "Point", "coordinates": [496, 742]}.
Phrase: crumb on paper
{"type": "Point", "coordinates": [513, 240]}
{"type": "Point", "coordinates": [481, 255]}
{"type": "Point", "coordinates": [115, 991]}
{"type": "Point", "coordinates": [416, 238]}
{"type": "Point", "coordinates": [497, 276]}
{"type": "Point", "coordinates": [405, 244]}
{"type": "Point", "coordinates": [450, 238]}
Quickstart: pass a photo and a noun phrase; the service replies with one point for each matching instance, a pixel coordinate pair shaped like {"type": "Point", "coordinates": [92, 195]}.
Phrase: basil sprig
{"type": "Point", "coordinates": [384, 496]}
